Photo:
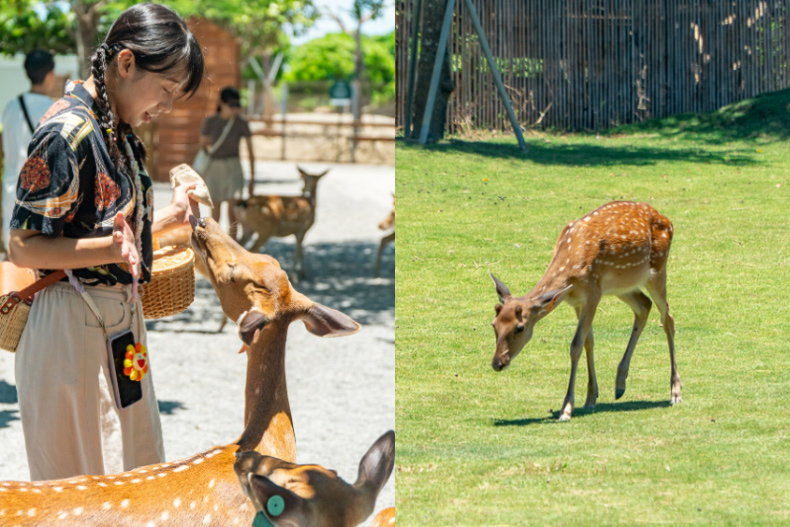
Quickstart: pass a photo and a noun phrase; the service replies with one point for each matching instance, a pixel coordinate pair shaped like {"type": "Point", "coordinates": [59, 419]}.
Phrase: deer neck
{"type": "Point", "coordinates": [268, 428]}
{"type": "Point", "coordinates": [556, 277]}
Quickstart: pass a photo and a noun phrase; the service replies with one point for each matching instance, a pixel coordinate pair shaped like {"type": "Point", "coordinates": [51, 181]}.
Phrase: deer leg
{"type": "Point", "coordinates": [262, 238]}
{"type": "Point", "coordinates": [592, 381]}
{"type": "Point", "coordinates": [586, 314]}
{"type": "Point", "coordinates": [640, 304]}
{"type": "Point", "coordinates": [299, 256]}
{"type": "Point", "coordinates": [233, 226]}
{"type": "Point", "coordinates": [657, 287]}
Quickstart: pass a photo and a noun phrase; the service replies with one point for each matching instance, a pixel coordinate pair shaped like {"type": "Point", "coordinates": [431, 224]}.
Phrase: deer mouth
{"type": "Point", "coordinates": [500, 363]}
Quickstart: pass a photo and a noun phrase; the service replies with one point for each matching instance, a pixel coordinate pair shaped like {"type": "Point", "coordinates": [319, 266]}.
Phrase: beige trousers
{"type": "Point", "coordinates": [69, 417]}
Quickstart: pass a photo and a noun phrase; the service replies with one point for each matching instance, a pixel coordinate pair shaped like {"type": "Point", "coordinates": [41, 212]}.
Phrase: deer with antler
{"type": "Point", "coordinates": [281, 216]}
{"type": "Point", "coordinates": [615, 250]}
{"type": "Point", "coordinates": [204, 489]}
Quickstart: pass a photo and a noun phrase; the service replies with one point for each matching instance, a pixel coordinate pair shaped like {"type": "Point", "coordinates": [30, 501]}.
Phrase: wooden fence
{"type": "Point", "coordinates": [594, 64]}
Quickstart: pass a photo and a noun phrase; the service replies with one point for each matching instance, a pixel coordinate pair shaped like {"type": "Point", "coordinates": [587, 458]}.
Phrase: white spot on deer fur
{"type": "Point", "coordinates": [181, 468]}
{"type": "Point", "coordinates": [150, 477]}
{"type": "Point", "coordinates": [138, 480]}
{"type": "Point", "coordinates": [165, 516]}
{"type": "Point", "coordinates": [199, 460]}
{"type": "Point", "coordinates": [37, 491]}
{"type": "Point", "coordinates": [81, 487]}
{"type": "Point", "coordinates": [78, 511]}
{"type": "Point", "coordinates": [106, 505]}
{"type": "Point", "coordinates": [102, 484]}
{"type": "Point", "coordinates": [562, 268]}
{"type": "Point", "coordinates": [207, 519]}
{"type": "Point", "coordinates": [392, 520]}
{"type": "Point", "coordinates": [62, 515]}
{"type": "Point", "coordinates": [216, 507]}
{"type": "Point", "coordinates": [119, 482]}
{"type": "Point", "coordinates": [150, 524]}
{"type": "Point", "coordinates": [211, 483]}
{"type": "Point", "coordinates": [163, 474]}
{"type": "Point", "coordinates": [244, 507]}
{"type": "Point", "coordinates": [31, 512]}
{"type": "Point", "coordinates": [124, 503]}
{"type": "Point", "coordinates": [192, 505]}
{"type": "Point", "coordinates": [177, 503]}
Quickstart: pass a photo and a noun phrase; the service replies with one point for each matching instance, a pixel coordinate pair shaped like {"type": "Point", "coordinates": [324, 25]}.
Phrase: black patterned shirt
{"type": "Point", "coordinates": [70, 187]}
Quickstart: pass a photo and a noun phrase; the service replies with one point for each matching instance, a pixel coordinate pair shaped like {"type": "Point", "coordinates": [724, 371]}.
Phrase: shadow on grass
{"type": "Point", "coordinates": [587, 154]}
{"type": "Point", "coordinates": [581, 412]}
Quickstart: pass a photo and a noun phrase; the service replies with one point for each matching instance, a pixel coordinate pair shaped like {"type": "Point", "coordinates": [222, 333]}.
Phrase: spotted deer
{"type": "Point", "coordinates": [203, 490]}
{"type": "Point", "coordinates": [277, 489]}
{"type": "Point", "coordinates": [280, 216]}
{"type": "Point", "coordinates": [388, 223]}
{"type": "Point", "coordinates": [615, 250]}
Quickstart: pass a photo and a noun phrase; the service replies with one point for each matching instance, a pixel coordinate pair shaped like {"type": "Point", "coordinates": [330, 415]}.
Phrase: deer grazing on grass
{"type": "Point", "coordinates": [203, 490]}
{"type": "Point", "coordinates": [280, 216]}
{"type": "Point", "coordinates": [614, 250]}
{"type": "Point", "coordinates": [388, 223]}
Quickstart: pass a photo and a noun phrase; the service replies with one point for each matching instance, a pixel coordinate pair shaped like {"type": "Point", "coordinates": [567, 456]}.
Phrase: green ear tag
{"type": "Point", "coordinates": [261, 520]}
{"type": "Point", "coordinates": [275, 505]}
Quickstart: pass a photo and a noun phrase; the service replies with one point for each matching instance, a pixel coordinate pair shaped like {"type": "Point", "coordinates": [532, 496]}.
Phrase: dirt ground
{"type": "Point", "coordinates": [342, 391]}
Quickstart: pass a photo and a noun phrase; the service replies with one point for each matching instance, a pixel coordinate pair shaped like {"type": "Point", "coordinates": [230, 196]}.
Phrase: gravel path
{"type": "Point", "coordinates": [342, 391]}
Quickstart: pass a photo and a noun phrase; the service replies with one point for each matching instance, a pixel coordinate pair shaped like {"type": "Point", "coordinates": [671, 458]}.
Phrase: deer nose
{"type": "Point", "coordinates": [497, 364]}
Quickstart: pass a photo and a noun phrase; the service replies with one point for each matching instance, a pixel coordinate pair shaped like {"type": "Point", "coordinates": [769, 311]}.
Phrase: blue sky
{"type": "Point", "coordinates": [324, 25]}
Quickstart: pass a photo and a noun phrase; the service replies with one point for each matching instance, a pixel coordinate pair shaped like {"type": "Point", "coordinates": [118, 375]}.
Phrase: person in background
{"type": "Point", "coordinates": [221, 135]}
{"type": "Point", "coordinates": [20, 119]}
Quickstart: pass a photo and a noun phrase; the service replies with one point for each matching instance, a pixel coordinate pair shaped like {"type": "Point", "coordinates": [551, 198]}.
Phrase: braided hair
{"type": "Point", "coordinates": [160, 42]}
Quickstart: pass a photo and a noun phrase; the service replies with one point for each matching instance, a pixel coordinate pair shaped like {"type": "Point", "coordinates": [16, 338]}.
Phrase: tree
{"type": "Point", "coordinates": [258, 23]}
{"type": "Point", "coordinates": [23, 29]}
{"type": "Point", "coordinates": [333, 57]}
{"type": "Point", "coordinates": [433, 17]}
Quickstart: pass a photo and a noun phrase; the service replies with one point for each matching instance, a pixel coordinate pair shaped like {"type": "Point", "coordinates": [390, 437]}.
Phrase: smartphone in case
{"type": "Point", "coordinates": [127, 391]}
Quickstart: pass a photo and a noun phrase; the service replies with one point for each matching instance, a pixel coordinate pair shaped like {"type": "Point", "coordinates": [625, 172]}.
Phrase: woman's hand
{"type": "Point", "coordinates": [182, 204]}
{"type": "Point", "coordinates": [123, 241]}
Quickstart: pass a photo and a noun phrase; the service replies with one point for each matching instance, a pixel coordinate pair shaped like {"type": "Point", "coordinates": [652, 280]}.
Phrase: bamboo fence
{"type": "Point", "coordinates": [593, 64]}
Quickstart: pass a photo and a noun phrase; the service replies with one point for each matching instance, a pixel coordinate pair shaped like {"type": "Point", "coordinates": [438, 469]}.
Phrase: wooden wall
{"type": "Point", "coordinates": [593, 64]}
{"type": "Point", "coordinates": [175, 135]}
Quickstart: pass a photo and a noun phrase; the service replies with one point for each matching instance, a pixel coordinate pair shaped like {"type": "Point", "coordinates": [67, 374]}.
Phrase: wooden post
{"type": "Point", "coordinates": [284, 105]}
{"type": "Point", "coordinates": [415, 29]}
{"type": "Point", "coordinates": [437, 68]}
{"type": "Point", "coordinates": [497, 78]}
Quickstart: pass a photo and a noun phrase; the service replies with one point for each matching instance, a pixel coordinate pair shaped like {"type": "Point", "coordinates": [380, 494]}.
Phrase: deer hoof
{"type": "Point", "coordinates": [675, 399]}
{"type": "Point", "coordinates": [618, 392]}
{"type": "Point", "coordinates": [564, 417]}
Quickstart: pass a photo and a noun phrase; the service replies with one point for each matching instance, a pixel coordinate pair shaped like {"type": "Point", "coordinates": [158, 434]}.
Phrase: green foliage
{"type": "Point", "coordinates": [332, 57]}
{"type": "Point", "coordinates": [258, 23]}
{"type": "Point", "coordinates": [478, 447]}
{"type": "Point", "coordinates": [22, 29]}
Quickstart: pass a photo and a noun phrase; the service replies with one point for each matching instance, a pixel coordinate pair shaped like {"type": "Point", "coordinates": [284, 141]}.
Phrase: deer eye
{"type": "Point", "coordinates": [519, 328]}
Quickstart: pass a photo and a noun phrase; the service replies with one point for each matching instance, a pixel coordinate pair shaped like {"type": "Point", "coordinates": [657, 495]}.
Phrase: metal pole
{"type": "Point", "coordinates": [415, 29]}
{"type": "Point", "coordinates": [437, 67]}
{"type": "Point", "coordinates": [497, 78]}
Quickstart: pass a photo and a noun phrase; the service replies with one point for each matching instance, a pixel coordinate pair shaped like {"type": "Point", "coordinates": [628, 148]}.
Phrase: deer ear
{"type": "Point", "coordinates": [548, 301]}
{"type": "Point", "coordinates": [377, 464]}
{"type": "Point", "coordinates": [250, 323]}
{"type": "Point", "coordinates": [325, 322]}
{"type": "Point", "coordinates": [501, 289]}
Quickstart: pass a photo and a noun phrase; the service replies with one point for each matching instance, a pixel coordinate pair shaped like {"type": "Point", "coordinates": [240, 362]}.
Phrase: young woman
{"type": "Point", "coordinates": [221, 135]}
{"type": "Point", "coordinates": [84, 204]}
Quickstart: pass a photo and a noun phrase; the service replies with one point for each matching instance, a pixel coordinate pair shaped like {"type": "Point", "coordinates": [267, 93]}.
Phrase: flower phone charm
{"type": "Point", "coordinates": [135, 363]}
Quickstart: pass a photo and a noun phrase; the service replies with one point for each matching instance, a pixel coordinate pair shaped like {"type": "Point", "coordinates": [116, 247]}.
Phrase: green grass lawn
{"type": "Point", "coordinates": [476, 447]}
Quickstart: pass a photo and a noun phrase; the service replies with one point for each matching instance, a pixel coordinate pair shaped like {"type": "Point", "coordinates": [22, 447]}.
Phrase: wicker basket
{"type": "Point", "coordinates": [172, 286]}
